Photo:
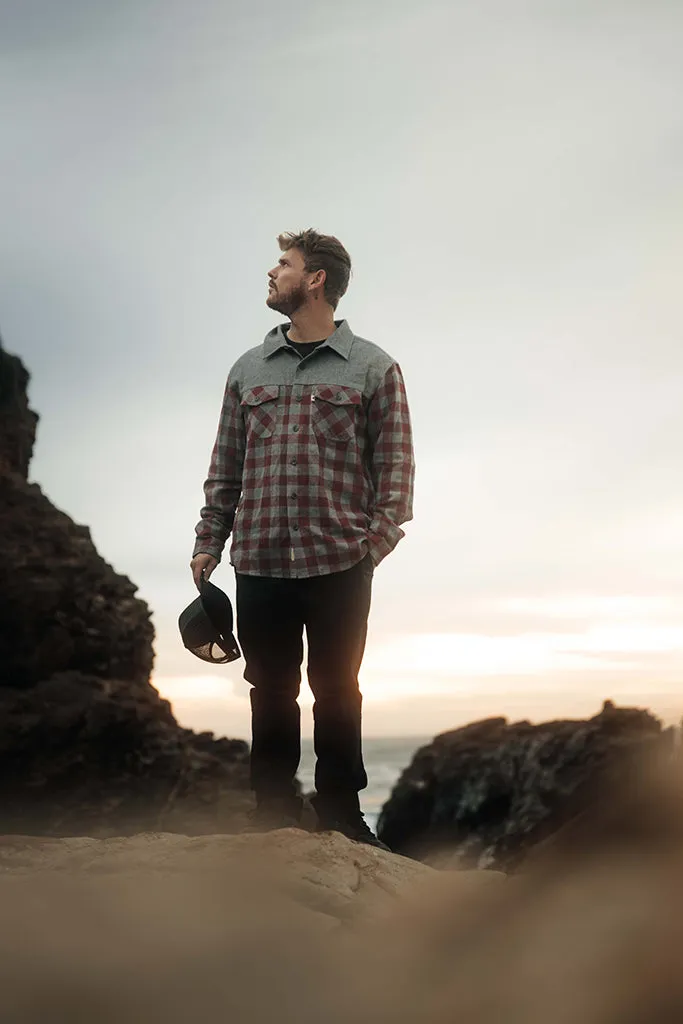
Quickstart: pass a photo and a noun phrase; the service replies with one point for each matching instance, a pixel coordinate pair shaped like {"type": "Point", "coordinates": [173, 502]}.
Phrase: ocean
{"type": "Point", "coordinates": [385, 758]}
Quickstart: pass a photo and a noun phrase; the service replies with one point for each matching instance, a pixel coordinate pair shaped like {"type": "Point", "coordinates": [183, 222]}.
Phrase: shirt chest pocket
{"type": "Point", "coordinates": [260, 407]}
{"type": "Point", "coordinates": [335, 413]}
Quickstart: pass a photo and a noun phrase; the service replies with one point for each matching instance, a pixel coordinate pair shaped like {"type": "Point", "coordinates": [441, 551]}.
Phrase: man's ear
{"type": "Point", "coordinates": [318, 279]}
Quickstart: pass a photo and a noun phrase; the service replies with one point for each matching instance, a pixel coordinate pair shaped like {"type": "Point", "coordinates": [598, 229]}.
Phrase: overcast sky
{"type": "Point", "coordinates": [507, 177]}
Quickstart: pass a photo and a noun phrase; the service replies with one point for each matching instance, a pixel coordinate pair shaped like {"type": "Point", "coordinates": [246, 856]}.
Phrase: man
{"type": "Point", "coordinates": [312, 471]}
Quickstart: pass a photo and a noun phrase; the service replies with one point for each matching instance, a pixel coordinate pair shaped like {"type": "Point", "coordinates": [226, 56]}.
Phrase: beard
{"type": "Point", "coordinates": [287, 303]}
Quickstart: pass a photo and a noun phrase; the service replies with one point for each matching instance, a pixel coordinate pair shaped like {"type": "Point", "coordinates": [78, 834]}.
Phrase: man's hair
{"type": "Point", "coordinates": [322, 252]}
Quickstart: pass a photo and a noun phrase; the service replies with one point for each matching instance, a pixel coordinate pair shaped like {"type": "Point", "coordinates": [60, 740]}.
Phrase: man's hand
{"type": "Point", "coordinates": [202, 561]}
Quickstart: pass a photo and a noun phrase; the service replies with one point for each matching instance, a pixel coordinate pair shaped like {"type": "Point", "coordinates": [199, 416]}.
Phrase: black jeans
{"type": "Point", "coordinates": [271, 615]}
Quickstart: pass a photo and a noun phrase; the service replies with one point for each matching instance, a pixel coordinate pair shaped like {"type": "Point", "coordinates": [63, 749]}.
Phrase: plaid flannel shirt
{"type": "Point", "coordinates": [313, 464]}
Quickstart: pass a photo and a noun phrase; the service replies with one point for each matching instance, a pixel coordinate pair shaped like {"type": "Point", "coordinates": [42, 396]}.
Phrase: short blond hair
{"type": "Point", "coordinates": [321, 252]}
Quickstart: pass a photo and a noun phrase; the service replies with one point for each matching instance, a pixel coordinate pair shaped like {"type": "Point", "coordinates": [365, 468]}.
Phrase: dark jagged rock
{"type": "Point", "coordinates": [62, 607]}
{"type": "Point", "coordinates": [86, 743]}
{"type": "Point", "coordinates": [17, 422]}
{"type": "Point", "coordinates": [86, 756]}
{"type": "Point", "coordinates": [485, 794]}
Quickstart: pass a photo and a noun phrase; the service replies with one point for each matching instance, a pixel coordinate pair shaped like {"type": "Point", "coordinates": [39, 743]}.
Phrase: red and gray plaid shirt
{"type": "Point", "coordinates": [313, 462]}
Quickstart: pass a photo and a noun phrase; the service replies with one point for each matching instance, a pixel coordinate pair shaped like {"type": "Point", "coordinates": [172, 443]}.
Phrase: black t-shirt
{"type": "Point", "coordinates": [304, 347]}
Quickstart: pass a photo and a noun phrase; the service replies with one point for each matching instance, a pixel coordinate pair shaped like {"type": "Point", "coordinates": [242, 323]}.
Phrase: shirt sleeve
{"type": "Point", "coordinates": [392, 465]}
{"type": "Point", "coordinates": [223, 485]}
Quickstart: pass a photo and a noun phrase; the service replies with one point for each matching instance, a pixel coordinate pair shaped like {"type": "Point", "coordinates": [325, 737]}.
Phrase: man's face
{"type": "Point", "coordinates": [286, 288]}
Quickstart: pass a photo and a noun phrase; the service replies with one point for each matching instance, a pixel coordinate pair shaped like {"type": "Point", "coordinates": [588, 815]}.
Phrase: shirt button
{"type": "Point", "coordinates": [292, 462]}
{"type": "Point", "coordinates": [295, 428]}
{"type": "Point", "coordinates": [339, 398]}
{"type": "Point", "coordinates": [295, 527]}
{"type": "Point", "coordinates": [293, 495]}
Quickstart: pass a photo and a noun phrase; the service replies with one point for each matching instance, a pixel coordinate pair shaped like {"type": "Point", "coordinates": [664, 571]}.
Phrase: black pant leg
{"type": "Point", "coordinates": [270, 633]}
{"type": "Point", "coordinates": [336, 615]}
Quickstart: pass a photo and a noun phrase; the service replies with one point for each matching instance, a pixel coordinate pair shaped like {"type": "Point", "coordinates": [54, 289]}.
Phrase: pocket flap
{"type": "Point", "coordinates": [261, 393]}
{"type": "Point", "coordinates": [336, 394]}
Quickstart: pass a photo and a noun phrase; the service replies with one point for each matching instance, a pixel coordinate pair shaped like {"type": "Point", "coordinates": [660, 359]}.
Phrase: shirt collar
{"type": "Point", "coordinates": [340, 340]}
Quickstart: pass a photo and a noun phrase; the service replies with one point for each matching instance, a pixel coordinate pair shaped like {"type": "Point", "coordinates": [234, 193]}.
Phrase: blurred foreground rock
{"type": "Point", "coordinates": [86, 742]}
{"type": "Point", "coordinates": [325, 872]}
{"type": "Point", "coordinates": [485, 794]}
{"type": "Point", "coordinates": [289, 926]}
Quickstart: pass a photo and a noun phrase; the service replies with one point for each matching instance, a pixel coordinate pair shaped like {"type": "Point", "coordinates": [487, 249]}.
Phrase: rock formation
{"type": "Point", "coordinates": [485, 794]}
{"type": "Point", "coordinates": [326, 873]}
{"type": "Point", "coordinates": [287, 926]}
{"type": "Point", "coordinates": [86, 742]}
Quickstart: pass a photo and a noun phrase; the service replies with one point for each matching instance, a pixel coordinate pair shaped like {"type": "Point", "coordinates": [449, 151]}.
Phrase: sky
{"type": "Point", "coordinates": [508, 179]}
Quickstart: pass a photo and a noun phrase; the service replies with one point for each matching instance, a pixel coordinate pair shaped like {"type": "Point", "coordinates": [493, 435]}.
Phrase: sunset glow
{"type": "Point", "coordinates": [614, 645]}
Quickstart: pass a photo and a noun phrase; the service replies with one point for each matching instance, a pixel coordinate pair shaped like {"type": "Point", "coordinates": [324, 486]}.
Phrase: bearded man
{"type": "Point", "coordinates": [312, 472]}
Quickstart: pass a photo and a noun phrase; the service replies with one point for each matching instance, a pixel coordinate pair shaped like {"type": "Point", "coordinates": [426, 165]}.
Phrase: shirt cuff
{"type": "Point", "coordinates": [203, 548]}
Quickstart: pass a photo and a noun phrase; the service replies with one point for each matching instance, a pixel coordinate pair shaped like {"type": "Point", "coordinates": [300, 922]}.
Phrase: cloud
{"type": "Point", "coordinates": [507, 180]}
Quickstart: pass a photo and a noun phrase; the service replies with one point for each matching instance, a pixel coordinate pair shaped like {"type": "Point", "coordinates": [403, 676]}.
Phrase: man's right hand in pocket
{"type": "Point", "coordinates": [202, 560]}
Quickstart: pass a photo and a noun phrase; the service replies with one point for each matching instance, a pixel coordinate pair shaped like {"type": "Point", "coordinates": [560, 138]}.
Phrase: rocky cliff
{"type": "Point", "coordinates": [485, 794]}
{"type": "Point", "coordinates": [86, 742]}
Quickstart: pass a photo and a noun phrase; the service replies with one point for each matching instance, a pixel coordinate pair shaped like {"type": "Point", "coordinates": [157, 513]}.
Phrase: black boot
{"type": "Point", "coordinates": [342, 813]}
{"type": "Point", "coordinates": [273, 812]}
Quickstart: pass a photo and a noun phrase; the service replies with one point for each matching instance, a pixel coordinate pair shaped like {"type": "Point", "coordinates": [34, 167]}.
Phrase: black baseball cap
{"type": "Point", "coordinates": [206, 625]}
